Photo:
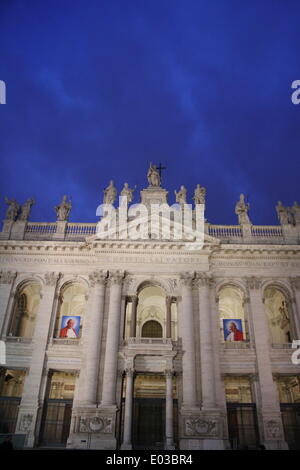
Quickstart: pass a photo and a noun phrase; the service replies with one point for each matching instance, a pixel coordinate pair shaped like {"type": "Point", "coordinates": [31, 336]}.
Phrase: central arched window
{"type": "Point", "coordinates": [71, 311]}
{"type": "Point", "coordinates": [233, 323]}
{"type": "Point", "coordinates": [152, 329]}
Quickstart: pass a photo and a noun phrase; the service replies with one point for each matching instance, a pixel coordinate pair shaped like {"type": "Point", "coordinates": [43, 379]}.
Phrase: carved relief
{"type": "Point", "coordinates": [273, 429]}
{"type": "Point", "coordinates": [96, 424]}
{"type": "Point", "coordinates": [201, 427]}
{"type": "Point", "coordinates": [25, 422]}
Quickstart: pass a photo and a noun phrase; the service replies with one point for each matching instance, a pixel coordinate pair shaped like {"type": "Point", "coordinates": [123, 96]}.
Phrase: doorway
{"type": "Point", "coordinates": [149, 423]}
{"type": "Point", "coordinates": [242, 426]}
{"type": "Point", "coordinates": [57, 411]}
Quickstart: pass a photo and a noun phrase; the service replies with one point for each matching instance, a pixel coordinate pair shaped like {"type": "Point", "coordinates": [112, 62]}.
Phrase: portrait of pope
{"type": "Point", "coordinates": [69, 327]}
{"type": "Point", "coordinates": [233, 330]}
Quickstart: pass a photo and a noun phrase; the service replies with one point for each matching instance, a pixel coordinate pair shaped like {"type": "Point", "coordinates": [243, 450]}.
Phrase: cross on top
{"type": "Point", "coordinates": [160, 168]}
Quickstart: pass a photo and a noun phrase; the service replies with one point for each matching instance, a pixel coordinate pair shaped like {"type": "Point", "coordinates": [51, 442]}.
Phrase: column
{"type": "Point", "coordinates": [272, 430]}
{"type": "Point", "coordinates": [169, 410]}
{"type": "Point", "coordinates": [168, 317]}
{"type": "Point", "coordinates": [92, 340]}
{"type": "Point", "coordinates": [188, 343]}
{"type": "Point", "coordinates": [134, 302]}
{"type": "Point", "coordinates": [127, 434]}
{"type": "Point", "coordinates": [206, 343]}
{"type": "Point", "coordinates": [112, 340]}
{"type": "Point", "coordinates": [31, 400]}
{"type": "Point", "coordinates": [6, 297]}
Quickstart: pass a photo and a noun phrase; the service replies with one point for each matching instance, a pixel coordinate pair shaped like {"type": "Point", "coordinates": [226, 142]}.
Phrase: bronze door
{"type": "Point", "coordinates": [56, 422]}
{"type": "Point", "coordinates": [148, 423]}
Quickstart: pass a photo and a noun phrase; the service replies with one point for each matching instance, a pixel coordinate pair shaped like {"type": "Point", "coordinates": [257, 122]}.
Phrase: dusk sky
{"type": "Point", "coordinates": [98, 89]}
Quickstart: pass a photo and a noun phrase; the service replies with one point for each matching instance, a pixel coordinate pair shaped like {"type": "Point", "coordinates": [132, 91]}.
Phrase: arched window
{"type": "Point", "coordinates": [278, 313]}
{"type": "Point", "coordinates": [24, 311]}
{"type": "Point", "coordinates": [152, 329]}
{"type": "Point", "coordinates": [71, 311]}
{"type": "Point", "coordinates": [233, 323]}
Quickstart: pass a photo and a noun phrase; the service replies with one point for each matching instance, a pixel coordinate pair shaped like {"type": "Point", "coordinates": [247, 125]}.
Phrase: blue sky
{"type": "Point", "coordinates": [96, 90]}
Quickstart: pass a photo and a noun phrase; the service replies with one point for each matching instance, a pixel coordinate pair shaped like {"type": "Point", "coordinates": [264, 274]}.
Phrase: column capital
{"type": "Point", "coordinates": [129, 372]}
{"type": "Point", "coordinates": [253, 282]}
{"type": "Point", "coordinates": [186, 279]}
{"type": "Point", "coordinates": [98, 278]}
{"type": "Point", "coordinates": [295, 282]}
{"type": "Point", "coordinates": [51, 278]}
{"type": "Point", "coordinates": [169, 373]}
{"type": "Point", "coordinates": [7, 277]}
{"type": "Point", "coordinates": [203, 280]}
{"type": "Point", "coordinates": [116, 277]}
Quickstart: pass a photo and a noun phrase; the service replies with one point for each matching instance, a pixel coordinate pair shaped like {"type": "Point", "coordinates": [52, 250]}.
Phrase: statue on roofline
{"type": "Point", "coordinates": [153, 176]}
{"type": "Point", "coordinates": [26, 208]}
{"type": "Point", "coordinates": [181, 195]}
{"type": "Point", "coordinates": [199, 195]}
{"type": "Point", "coordinates": [128, 193]}
{"type": "Point", "coordinates": [110, 193]}
{"type": "Point", "coordinates": [12, 210]}
{"type": "Point", "coordinates": [241, 210]}
{"type": "Point", "coordinates": [63, 210]}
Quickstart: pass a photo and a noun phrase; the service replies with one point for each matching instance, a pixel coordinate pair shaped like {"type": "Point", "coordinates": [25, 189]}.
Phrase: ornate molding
{"type": "Point", "coordinates": [98, 278]}
{"type": "Point", "coordinates": [7, 277]}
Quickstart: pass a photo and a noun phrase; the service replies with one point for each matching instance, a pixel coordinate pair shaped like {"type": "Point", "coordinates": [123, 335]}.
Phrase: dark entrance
{"type": "Point", "coordinates": [9, 407]}
{"type": "Point", "coordinates": [56, 422]}
{"type": "Point", "coordinates": [148, 423]}
{"type": "Point", "coordinates": [57, 411]}
{"type": "Point", "coordinates": [291, 424]}
{"type": "Point", "coordinates": [242, 425]}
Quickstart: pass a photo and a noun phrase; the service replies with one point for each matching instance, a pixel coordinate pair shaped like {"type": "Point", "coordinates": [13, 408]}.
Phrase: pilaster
{"type": "Point", "coordinates": [271, 428]}
{"type": "Point", "coordinates": [32, 402]}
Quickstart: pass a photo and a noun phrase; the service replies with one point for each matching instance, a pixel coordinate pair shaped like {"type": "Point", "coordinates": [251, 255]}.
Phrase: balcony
{"type": "Point", "coordinates": [236, 345]}
{"type": "Point", "coordinates": [149, 343]}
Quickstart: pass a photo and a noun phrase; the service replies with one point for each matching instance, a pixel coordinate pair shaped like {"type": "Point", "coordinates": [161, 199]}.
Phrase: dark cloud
{"type": "Point", "coordinates": [97, 90]}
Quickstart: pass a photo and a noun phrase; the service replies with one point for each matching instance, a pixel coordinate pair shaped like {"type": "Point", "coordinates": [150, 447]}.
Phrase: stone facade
{"type": "Point", "coordinates": [112, 271]}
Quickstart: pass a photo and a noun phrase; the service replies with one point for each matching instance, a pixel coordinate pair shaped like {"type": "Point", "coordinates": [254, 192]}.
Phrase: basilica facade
{"type": "Point", "coordinates": [153, 342]}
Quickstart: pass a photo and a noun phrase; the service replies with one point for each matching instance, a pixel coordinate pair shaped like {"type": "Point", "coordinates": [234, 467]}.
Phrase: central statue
{"type": "Point", "coordinates": [153, 176]}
